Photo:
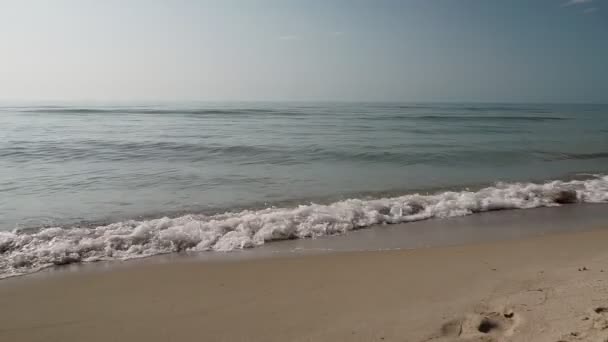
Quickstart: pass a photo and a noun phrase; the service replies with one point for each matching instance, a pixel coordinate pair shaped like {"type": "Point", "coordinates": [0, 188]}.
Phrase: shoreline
{"type": "Point", "coordinates": [491, 226]}
{"type": "Point", "coordinates": [28, 251]}
{"type": "Point", "coordinates": [524, 289]}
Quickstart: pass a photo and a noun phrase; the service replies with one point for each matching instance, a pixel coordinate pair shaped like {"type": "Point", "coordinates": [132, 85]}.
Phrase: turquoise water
{"type": "Point", "coordinates": [63, 165]}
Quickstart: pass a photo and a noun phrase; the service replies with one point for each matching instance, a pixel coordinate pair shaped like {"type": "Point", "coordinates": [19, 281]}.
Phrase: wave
{"type": "Point", "coordinates": [136, 110]}
{"type": "Point", "coordinates": [105, 150]}
{"type": "Point", "coordinates": [576, 156]}
{"type": "Point", "coordinates": [295, 112]}
{"type": "Point", "coordinates": [463, 107]}
{"type": "Point", "coordinates": [27, 251]}
{"type": "Point", "coordinates": [122, 150]}
{"type": "Point", "coordinates": [467, 118]}
{"type": "Point", "coordinates": [489, 118]}
{"type": "Point", "coordinates": [506, 108]}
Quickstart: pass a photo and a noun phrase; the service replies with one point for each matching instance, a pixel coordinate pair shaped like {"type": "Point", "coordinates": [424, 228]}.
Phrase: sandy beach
{"type": "Point", "coordinates": [548, 288]}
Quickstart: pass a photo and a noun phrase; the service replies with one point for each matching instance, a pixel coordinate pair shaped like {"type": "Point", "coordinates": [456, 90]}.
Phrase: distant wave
{"type": "Point", "coordinates": [513, 108]}
{"type": "Point", "coordinates": [488, 118]}
{"type": "Point", "coordinates": [460, 118]}
{"type": "Point", "coordinates": [136, 110]}
{"type": "Point", "coordinates": [124, 150]}
{"type": "Point", "coordinates": [294, 112]}
{"type": "Point", "coordinates": [30, 250]}
{"type": "Point", "coordinates": [462, 107]}
{"type": "Point", "coordinates": [577, 156]}
{"type": "Point", "coordinates": [106, 150]}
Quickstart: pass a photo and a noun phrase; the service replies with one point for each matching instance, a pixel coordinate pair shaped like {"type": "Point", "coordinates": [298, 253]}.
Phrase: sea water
{"type": "Point", "coordinates": [87, 182]}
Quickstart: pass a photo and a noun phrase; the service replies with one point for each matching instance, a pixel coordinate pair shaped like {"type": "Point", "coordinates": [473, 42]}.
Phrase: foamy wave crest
{"type": "Point", "coordinates": [24, 252]}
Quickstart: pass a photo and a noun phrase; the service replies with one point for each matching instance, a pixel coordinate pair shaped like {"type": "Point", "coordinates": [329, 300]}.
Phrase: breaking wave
{"type": "Point", "coordinates": [27, 251]}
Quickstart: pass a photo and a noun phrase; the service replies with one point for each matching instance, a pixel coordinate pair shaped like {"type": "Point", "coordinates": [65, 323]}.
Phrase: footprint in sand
{"type": "Point", "coordinates": [600, 319]}
{"type": "Point", "coordinates": [596, 330]}
{"type": "Point", "coordinates": [483, 326]}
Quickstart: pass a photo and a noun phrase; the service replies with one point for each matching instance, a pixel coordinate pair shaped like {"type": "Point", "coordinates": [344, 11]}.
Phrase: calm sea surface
{"type": "Point", "coordinates": [72, 164]}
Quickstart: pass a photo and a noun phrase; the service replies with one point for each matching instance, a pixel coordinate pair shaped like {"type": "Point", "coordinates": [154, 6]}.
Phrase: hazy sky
{"type": "Point", "coordinates": [419, 50]}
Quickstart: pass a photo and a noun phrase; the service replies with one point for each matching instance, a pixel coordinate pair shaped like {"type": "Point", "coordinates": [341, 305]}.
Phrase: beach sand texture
{"type": "Point", "coordinates": [548, 288]}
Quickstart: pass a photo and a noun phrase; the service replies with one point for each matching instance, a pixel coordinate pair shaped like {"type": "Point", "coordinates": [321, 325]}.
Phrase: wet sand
{"type": "Point", "coordinates": [546, 288]}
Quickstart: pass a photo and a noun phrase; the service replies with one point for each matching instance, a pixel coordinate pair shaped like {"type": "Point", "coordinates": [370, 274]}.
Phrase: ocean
{"type": "Point", "coordinates": [89, 182]}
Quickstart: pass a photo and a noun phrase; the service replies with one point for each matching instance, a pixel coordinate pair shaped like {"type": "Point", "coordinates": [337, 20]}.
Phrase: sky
{"type": "Point", "coordinates": [307, 50]}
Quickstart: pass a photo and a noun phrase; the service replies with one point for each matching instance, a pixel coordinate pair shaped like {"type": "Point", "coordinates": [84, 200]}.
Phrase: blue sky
{"type": "Point", "coordinates": [307, 50]}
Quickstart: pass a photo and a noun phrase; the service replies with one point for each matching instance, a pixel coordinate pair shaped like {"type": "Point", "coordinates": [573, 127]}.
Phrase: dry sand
{"type": "Point", "coordinates": [550, 288]}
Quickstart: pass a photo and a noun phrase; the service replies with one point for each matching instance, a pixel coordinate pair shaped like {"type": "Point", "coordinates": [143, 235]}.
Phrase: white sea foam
{"type": "Point", "coordinates": [26, 251]}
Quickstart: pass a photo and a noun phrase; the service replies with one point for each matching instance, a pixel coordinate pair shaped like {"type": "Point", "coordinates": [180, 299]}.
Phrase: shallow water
{"type": "Point", "coordinates": [67, 164]}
